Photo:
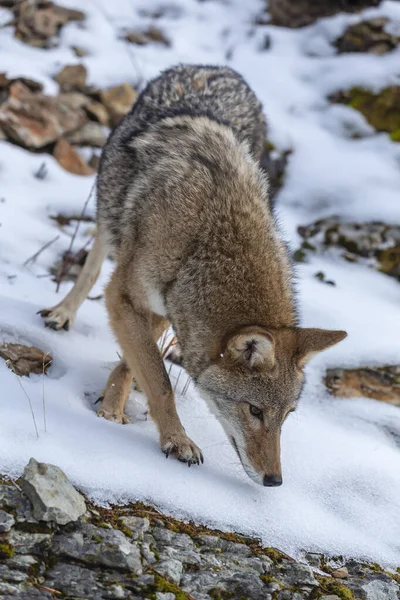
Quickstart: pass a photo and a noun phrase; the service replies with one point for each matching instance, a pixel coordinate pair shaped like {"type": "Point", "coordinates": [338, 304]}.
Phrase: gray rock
{"type": "Point", "coordinates": [11, 575]}
{"type": "Point", "coordinates": [73, 580]}
{"type": "Point", "coordinates": [381, 590]}
{"type": "Point", "coordinates": [137, 526]}
{"type": "Point", "coordinates": [334, 597]}
{"type": "Point", "coordinates": [29, 543]}
{"type": "Point", "coordinates": [7, 588]}
{"type": "Point", "coordinates": [51, 493]}
{"type": "Point", "coordinates": [165, 596]}
{"type": "Point", "coordinates": [297, 574]}
{"type": "Point", "coordinates": [22, 562]}
{"type": "Point", "coordinates": [171, 569]}
{"type": "Point", "coordinates": [11, 497]}
{"type": "Point", "coordinates": [6, 521]}
{"type": "Point", "coordinates": [97, 546]}
{"type": "Point", "coordinates": [115, 591]}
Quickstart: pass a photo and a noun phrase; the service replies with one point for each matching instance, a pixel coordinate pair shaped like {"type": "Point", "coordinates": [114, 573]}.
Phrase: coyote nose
{"type": "Point", "coordinates": [272, 480]}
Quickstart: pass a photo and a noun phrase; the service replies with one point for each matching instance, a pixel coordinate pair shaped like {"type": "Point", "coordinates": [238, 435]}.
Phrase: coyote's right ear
{"type": "Point", "coordinates": [252, 347]}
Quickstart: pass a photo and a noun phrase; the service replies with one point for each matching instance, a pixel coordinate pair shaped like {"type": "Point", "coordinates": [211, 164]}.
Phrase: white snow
{"type": "Point", "coordinates": [341, 458]}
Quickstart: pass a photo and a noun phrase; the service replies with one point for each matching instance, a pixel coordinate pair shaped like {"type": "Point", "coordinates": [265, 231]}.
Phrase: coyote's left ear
{"type": "Point", "coordinates": [311, 341]}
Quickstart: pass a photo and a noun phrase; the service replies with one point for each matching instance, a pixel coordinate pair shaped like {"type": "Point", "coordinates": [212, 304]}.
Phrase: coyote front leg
{"type": "Point", "coordinates": [63, 314]}
{"type": "Point", "coordinates": [118, 386]}
{"type": "Point", "coordinates": [133, 329]}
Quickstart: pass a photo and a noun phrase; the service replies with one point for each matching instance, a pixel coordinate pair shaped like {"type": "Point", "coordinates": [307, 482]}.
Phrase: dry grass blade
{"type": "Point", "coordinates": [43, 401]}
{"type": "Point", "coordinates": [30, 404]}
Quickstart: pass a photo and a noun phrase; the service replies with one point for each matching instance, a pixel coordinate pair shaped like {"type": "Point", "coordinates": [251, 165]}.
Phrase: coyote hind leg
{"type": "Point", "coordinates": [63, 314]}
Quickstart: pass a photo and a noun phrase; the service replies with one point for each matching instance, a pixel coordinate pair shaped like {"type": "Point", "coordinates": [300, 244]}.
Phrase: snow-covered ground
{"type": "Point", "coordinates": [341, 468]}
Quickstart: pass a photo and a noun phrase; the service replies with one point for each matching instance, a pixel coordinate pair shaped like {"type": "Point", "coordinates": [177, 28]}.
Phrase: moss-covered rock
{"type": "Point", "coordinates": [382, 110]}
{"type": "Point", "coordinates": [377, 243]}
{"type": "Point", "coordinates": [367, 36]}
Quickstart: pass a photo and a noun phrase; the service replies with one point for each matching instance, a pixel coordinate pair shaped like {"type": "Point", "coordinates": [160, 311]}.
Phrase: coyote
{"type": "Point", "coordinates": [183, 208]}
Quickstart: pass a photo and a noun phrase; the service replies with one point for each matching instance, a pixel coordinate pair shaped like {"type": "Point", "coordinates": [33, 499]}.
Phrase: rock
{"type": "Point", "coordinates": [79, 52]}
{"type": "Point", "coordinates": [341, 573]}
{"type": "Point", "coordinates": [367, 36]}
{"type": "Point", "coordinates": [376, 243]}
{"type": "Point", "coordinates": [380, 383]}
{"type": "Point", "coordinates": [97, 112]}
{"type": "Point", "coordinates": [38, 23]}
{"type": "Point", "coordinates": [74, 99]}
{"type": "Point", "coordinates": [298, 13]}
{"type": "Point", "coordinates": [330, 597]}
{"type": "Point", "coordinates": [118, 100]}
{"type": "Point", "coordinates": [35, 120]}
{"type": "Point", "coordinates": [297, 574]}
{"type": "Point", "coordinates": [70, 160]}
{"type": "Point", "coordinates": [72, 77]}
{"type": "Point", "coordinates": [380, 590]}
{"type": "Point", "coordinates": [29, 543]}
{"type": "Point", "coordinates": [171, 569]}
{"type": "Point", "coordinates": [6, 521]}
{"type": "Point", "coordinates": [137, 526]}
{"type": "Point", "coordinates": [165, 596]}
{"type": "Point", "coordinates": [31, 84]}
{"type": "Point", "coordinates": [13, 499]}
{"type": "Point", "coordinates": [381, 110]}
{"type": "Point", "coordinates": [52, 495]}
{"type": "Point", "coordinates": [91, 134]}
{"type": "Point", "coordinates": [151, 34]}
{"type": "Point", "coordinates": [73, 580]}
{"type": "Point", "coordinates": [24, 360]}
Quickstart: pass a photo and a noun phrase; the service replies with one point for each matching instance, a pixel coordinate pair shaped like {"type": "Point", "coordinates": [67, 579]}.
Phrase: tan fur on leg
{"type": "Point", "coordinates": [63, 314]}
{"type": "Point", "coordinates": [116, 394]}
{"type": "Point", "coordinates": [135, 332]}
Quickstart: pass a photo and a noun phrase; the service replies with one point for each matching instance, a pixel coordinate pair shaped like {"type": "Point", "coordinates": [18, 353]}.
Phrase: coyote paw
{"type": "Point", "coordinates": [58, 317]}
{"type": "Point", "coordinates": [181, 447]}
{"type": "Point", "coordinates": [114, 416]}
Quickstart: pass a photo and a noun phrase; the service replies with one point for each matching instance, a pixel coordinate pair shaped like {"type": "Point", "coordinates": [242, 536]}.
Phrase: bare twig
{"type": "Point", "coordinates": [186, 386]}
{"type": "Point", "coordinates": [65, 266]}
{"type": "Point", "coordinates": [177, 381]}
{"type": "Point", "coordinates": [44, 247]}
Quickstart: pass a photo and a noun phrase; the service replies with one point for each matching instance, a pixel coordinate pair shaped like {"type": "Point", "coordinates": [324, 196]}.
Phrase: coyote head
{"type": "Point", "coordinates": [254, 384]}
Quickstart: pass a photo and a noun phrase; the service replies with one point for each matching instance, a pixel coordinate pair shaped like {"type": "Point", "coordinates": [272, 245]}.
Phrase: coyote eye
{"type": "Point", "coordinates": [256, 412]}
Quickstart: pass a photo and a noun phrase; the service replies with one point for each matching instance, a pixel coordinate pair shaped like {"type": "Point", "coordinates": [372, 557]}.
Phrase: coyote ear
{"type": "Point", "coordinates": [311, 341]}
{"type": "Point", "coordinates": [252, 348]}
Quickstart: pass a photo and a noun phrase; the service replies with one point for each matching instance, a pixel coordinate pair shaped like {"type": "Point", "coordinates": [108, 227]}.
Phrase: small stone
{"type": "Point", "coordinates": [298, 13]}
{"type": "Point", "coordinates": [296, 574]}
{"type": "Point", "coordinates": [119, 101]}
{"type": "Point", "coordinates": [165, 596]}
{"type": "Point", "coordinates": [367, 36]}
{"type": "Point", "coordinates": [91, 134]}
{"type": "Point", "coordinates": [341, 573]}
{"type": "Point", "coordinates": [6, 521]}
{"type": "Point", "coordinates": [152, 34]}
{"type": "Point", "coordinates": [171, 569]}
{"type": "Point", "coordinates": [331, 597]}
{"type": "Point", "coordinates": [29, 543]}
{"type": "Point", "coordinates": [74, 100]}
{"type": "Point", "coordinates": [12, 575]}
{"type": "Point", "coordinates": [53, 496]}
{"type": "Point", "coordinates": [70, 160]}
{"type": "Point", "coordinates": [79, 51]}
{"type": "Point", "coordinates": [38, 25]}
{"type": "Point", "coordinates": [35, 120]}
{"type": "Point", "coordinates": [72, 77]}
{"type": "Point", "coordinates": [97, 112]}
{"type": "Point", "coordinates": [381, 590]}
{"type": "Point", "coordinates": [137, 526]}
{"type": "Point", "coordinates": [24, 360]}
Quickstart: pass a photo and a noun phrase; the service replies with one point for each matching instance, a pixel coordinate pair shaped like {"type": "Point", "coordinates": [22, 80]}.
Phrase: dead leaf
{"type": "Point", "coordinates": [24, 360]}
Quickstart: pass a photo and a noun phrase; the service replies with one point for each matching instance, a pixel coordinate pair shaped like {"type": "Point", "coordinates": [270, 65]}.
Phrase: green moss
{"type": "Point", "coordinates": [333, 587]}
{"type": "Point", "coordinates": [6, 551]}
{"type": "Point", "coordinates": [382, 110]}
{"type": "Point", "coordinates": [155, 551]}
{"type": "Point", "coordinates": [163, 585]}
{"type": "Point", "coordinates": [273, 554]}
{"type": "Point", "coordinates": [218, 594]}
{"type": "Point", "coordinates": [299, 255]}
{"type": "Point", "coordinates": [97, 539]}
{"type": "Point", "coordinates": [268, 579]}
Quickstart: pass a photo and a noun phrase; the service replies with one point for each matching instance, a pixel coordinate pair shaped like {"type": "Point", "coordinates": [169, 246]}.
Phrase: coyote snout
{"type": "Point", "coordinates": [254, 385]}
